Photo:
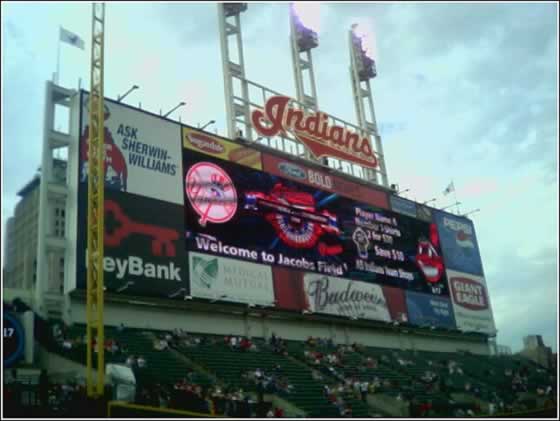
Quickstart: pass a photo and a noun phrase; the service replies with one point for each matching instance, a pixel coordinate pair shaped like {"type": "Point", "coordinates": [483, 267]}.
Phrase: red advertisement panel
{"type": "Point", "coordinates": [323, 180]}
{"type": "Point", "coordinates": [396, 302]}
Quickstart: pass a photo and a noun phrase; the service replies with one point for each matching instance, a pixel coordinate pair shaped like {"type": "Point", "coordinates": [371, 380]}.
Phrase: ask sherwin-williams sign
{"type": "Point", "coordinates": [230, 280]}
{"type": "Point", "coordinates": [142, 152]}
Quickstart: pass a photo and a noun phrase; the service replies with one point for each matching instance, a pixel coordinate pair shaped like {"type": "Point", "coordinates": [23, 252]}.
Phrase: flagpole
{"type": "Point", "coordinates": [455, 196]}
{"type": "Point", "coordinates": [58, 57]}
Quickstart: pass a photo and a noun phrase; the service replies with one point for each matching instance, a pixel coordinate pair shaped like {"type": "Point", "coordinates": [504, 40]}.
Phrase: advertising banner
{"type": "Point", "coordinates": [144, 246]}
{"type": "Point", "coordinates": [404, 206]}
{"type": "Point", "coordinates": [458, 241]}
{"type": "Point", "coordinates": [471, 304]}
{"type": "Point", "coordinates": [330, 295]}
{"type": "Point", "coordinates": [220, 148]}
{"type": "Point", "coordinates": [235, 211]}
{"type": "Point", "coordinates": [397, 303]}
{"type": "Point", "coordinates": [230, 280]}
{"type": "Point", "coordinates": [143, 153]}
{"type": "Point", "coordinates": [423, 212]}
{"type": "Point", "coordinates": [424, 309]}
{"type": "Point", "coordinates": [323, 180]}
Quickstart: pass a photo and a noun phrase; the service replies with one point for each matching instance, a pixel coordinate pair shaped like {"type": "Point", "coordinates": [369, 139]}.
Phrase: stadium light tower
{"type": "Point", "coordinates": [304, 25]}
{"type": "Point", "coordinates": [237, 103]}
{"type": "Point", "coordinates": [362, 70]}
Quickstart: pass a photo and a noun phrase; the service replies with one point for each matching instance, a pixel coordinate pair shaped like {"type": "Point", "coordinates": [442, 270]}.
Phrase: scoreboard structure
{"type": "Point", "coordinates": [193, 216]}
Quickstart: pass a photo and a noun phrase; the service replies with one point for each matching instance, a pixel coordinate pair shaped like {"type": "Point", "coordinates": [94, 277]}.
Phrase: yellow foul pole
{"type": "Point", "coordinates": [95, 221]}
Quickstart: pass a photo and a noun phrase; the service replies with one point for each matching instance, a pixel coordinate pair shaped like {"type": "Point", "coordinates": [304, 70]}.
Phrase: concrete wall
{"type": "Point", "coordinates": [223, 324]}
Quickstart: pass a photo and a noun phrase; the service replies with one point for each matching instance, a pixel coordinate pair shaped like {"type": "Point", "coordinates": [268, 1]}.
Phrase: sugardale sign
{"type": "Point", "coordinates": [313, 131]}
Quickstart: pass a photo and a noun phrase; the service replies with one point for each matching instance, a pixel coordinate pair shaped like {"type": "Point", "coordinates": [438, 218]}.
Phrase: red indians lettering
{"type": "Point", "coordinates": [314, 131]}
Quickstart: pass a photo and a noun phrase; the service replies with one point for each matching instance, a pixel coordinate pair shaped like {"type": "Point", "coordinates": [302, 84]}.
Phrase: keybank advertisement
{"type": "Point", "coordinates": [142, 152]}
{"type": "Point", "coordinates": [230, 280]}
{"type": "Point", "coordinates": [144, 246]}
{"type": "Point", "coordinates": [238, 212]}
{"type": "Point", "coordinates": [424, 309]}
{"type": "Point", "coordinates": [458, 240]}
{"type": "Point", "coordinates": [470, 302]}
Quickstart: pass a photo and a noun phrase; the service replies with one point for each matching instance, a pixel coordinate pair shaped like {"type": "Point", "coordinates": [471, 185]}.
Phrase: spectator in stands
{"type": "Point", "coordinates": [270, 413]}
{"type": "Point", "coordinates": [278, 412]}
{"type": "Point", "coordinates": [160, 344]}
{"type": "Point", "coordinates": [315, 375]}
{"type": "Point", "coordinates": [244, 344]}
{"type": "Point", "coordinates": [67, 344]}
{"type": "Point", "coordinates": [141, 362]}
{"type": "Point", "coordinates": [131, 361]}
{"type": "Point", "coordinates": [120, 328]}
{"type": "Point", "coordinates": [364, 390]}
{"type": "Point", "coordinates": [386, 384]}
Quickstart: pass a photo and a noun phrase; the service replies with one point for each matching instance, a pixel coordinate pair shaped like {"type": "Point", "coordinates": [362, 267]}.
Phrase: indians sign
{"type": "Point", "coordinates": [313, 131]}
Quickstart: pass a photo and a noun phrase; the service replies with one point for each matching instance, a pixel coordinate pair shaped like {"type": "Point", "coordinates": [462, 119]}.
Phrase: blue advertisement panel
{"type": "Point", "coordinates": [458, 243]}
{"type": "Point", "coordinates": [424, 309]}
{"type": "Point", "coordinates": [404, 206]}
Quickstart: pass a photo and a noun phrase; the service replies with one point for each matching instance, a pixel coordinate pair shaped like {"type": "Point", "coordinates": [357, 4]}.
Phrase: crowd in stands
{"type": "Point", "coordinates": [328, 364]}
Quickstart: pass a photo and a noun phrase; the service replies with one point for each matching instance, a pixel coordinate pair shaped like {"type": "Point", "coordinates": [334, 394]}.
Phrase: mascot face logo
{"type": "Point", "coordinates": [427, 257]}
{"type": "Point", "coordinates": [211, 193]}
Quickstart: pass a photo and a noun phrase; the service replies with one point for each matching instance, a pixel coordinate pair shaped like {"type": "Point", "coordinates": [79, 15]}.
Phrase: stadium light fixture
{"type": "Point", "coordinates": [234, 9]}
{"type": "Point", "coordinates": [121, 97]}
{"type": "Point", "coordinates": [470, 212]}
{"type": "Point", "coordinates": [207, 124]}
{"type": "Point", "coordinates": [363, 44]}
{"type": "Point", "coordinates": [174, 108]}
{"type": "Point", "coordinates": [450, 206]}
{"type": "Point", "coordinates": [402, 191]}
{"type": "Point", "coordinates": [306, 23]}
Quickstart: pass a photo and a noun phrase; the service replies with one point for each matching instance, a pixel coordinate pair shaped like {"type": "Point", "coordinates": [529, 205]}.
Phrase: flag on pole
{"type": "Point", "coordinates": [71, 38]}
{"type": "Point", "coordinates": [449, 189]}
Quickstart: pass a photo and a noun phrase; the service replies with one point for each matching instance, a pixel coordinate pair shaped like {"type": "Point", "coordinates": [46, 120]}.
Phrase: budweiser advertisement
{"type": "Point", "coordinates": [296, 290]}
{"type": "Point", "coordinates": [471, 304]}
{"type": "Point", "coordinates": [144, 247]}
{"type": "Point", "coordinates": [238, 212]}
{"type": "Point", "coordinates": [314, 131]}
{"type": "Point", "coordinates": [142, 152]}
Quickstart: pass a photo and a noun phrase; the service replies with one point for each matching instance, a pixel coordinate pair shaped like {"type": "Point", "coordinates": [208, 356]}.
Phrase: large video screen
{"type": "Point", "coordinates": [243, 213]}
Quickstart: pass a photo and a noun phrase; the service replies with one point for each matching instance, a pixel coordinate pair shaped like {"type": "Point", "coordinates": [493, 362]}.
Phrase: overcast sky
{"type": "Point", "coordinates": [465, 92]}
